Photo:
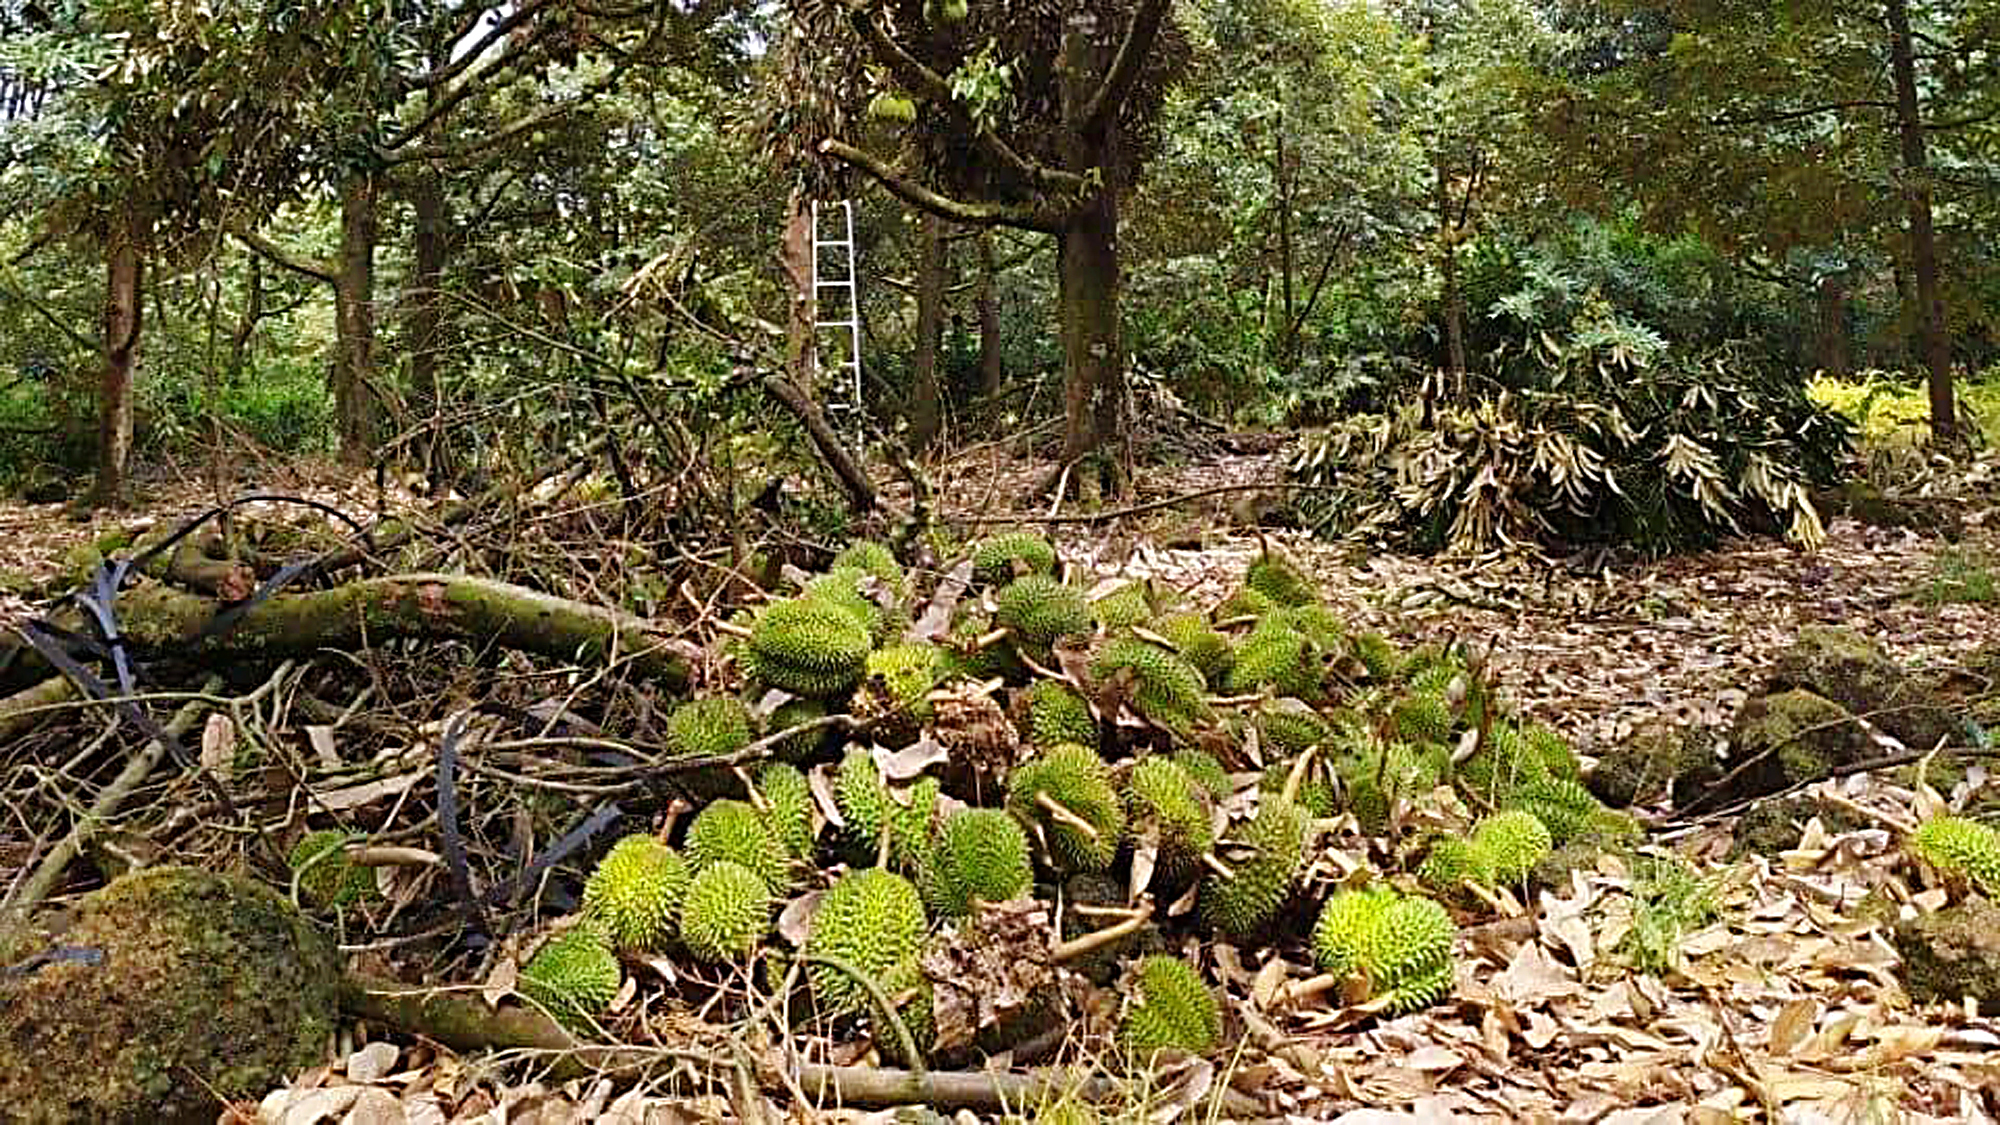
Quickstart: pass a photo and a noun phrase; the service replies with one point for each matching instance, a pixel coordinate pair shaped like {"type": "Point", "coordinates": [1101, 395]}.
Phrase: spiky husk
{"type": "Point", "coordinates": [1513, 842]}
{"type": "Point", "coordinates": [1058, 714]}
{"type": "Point", "coordinates": [895, 688]}
{"type": "Point", "coordinates": [794, 712]}
{"type": "Point", "coordinates": [702, 728]}
{"type": "Point", "coordinates": [1166, 799]}
{"type": "Point", "coordinates": [1565, 806]}
{"type": "Point", "coordinates": [1167, 690]}
{"type": "Point", "coordinates": [326, 876]}
{"type": "Point", "coordinates": [1244, 904]}
{"type": "Point", "coordinates": [1205, 771]}
{"type": "Point", "coordinates": [1341, 935]}
{"type": "Point", "coordinates": [1376, 775]}
{"type": "Point", "coordinates": [1244, 603]}
{"type": "Point", "coordinates": [1454, 865]}
{"type": "Point", "coordinates": [853, 592]}
{"type": "Point", "coordinates": [1289, 725]}
{"type": "Point", "coordinates": [1407, 954]}
{"type": "Point", "coordinates": [1122, 608]}
{"type": "Point", "coordinates": [1199, 644]}
{"type": "Point", "coordinates": [1423, 716]}
{"type": "Point", "coordinates": [1960, 846]}
{"type": "Point", "coordinates": [789, 797]}
{"type": "Point", "coordinates": [1280, 580]}
{"type": "Point", "coordinates": [1075, 778]}
{"type": "Point", "coordinates": [635, 892]}
{"type": "Point", "coordinates": [735, 832]}
{"type": "Point", "coordinates": [727, 912]}
{"type": "Point", "coordinates": [809, 647]}
{"type": "Point", "coordinates": [1279, 657]}
{"type": "Point", "coordinates": [1501, 766]}
{"type": "Point", "coordinates": [979, 854]}
{"type": "Point", "coordinates": [1173, 1009]}
{"type": "Point", "coordinates": [873, 920]}
{"type": "Point", "coordinates": [1376, 654]}
{"type": "Point", "coordinates": [995, 661]}
{"type": "Point", "coordinates": [995, 559]}
{"type": "Point", "coordinates": [872, 558]}
{"type": "Point", "coordinates": [574, 975]}
{"type": "Point", "coordinates": [870, 809]}
{"type": "Point", "coordinates": [1319, 623]}
{"type": "Point", "coordinates": [1552, 750]}
{"type": "Point", "coordinates": [1315, 793]}
{"type": "Point", "coordinates": [1039, 611]}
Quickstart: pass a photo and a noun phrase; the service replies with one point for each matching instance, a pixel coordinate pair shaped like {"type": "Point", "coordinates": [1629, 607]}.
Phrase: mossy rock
{"type": "Point", "coordinates": [1791, 738]}
{"type": "Point", "coordinates": [189, 987]}
{"type": "Point", "coordinates": [1952, 953]}
{"type": "Point", "coordinates": [1847, 668]}
{"type": "Point", "coordinates": [1657, 759]}
{"type": "Point", "coordinates": [1772, 827]}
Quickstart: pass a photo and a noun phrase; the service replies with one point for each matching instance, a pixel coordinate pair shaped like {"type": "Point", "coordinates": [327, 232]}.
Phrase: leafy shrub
{"type": "Point", "coordinates": [1619, 440]}
{"type": "Point", "coordinates": [1959, 575]}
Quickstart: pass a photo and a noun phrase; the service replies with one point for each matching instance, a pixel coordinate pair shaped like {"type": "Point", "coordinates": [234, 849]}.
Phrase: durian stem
{"type": "Point", "coordinates": [1210, 861]}
{"type": "Point", "coordinates": [1095, 939]}
{"type": "Point", "coordinates": [1310, 987]}
{"type": "Point", "coordinates": [904, 1040]}
{"type": "Point", "coordinates": [1063, 816]}
{"type": "Point", "coordinates": [1297, 776]}
{"type": "Point", "coordinates": [1234, 700]}
{"type": "Point", "coordinates": [730, 628]}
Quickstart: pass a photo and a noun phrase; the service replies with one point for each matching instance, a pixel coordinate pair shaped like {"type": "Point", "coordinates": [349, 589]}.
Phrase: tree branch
{"type": "Point", "coordinates": [1125, 66]}
{"type": "Point", "coordinates": [958, 211]}
{"type": "Point", "coordinates": [927, 83]}
{"type": "Point", "coordinates": [279, 256]}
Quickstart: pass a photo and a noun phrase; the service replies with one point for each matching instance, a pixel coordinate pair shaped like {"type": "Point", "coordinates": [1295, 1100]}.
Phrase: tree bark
{"type": "Point", "coordinates": [1093, 367]}
{"type": "Point", "coordinates": [425, 319]}
{"type": "Point", "coordinates": [926, 401]}
{"type": "Point", "coordinates": [795, 258]}
{"type": "Point", "coordinates": [124, 321]}
{"type": "Point", "coordinates": [1452, 300]}
{"type": "Point", "coordinates": [1933, 346]}
{"type": "Point", "coordinates": [992, 372]}
{"type": "Point", "coordinates": [356, 409]}
{"type": "Point", "coordinates": [1833, 351]}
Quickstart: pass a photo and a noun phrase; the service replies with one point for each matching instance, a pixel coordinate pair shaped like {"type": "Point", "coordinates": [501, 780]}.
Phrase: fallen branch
{"type": "Point", "coordinates": [20, 710]}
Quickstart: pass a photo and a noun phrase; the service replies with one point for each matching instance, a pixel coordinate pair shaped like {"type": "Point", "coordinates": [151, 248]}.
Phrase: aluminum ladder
{"type": "Point", "coordinates": [843, 401]}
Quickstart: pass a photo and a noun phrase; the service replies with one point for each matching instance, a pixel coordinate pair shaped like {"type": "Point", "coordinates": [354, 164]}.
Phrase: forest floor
{"type": "Point", "coordinates": [1788, 1008]}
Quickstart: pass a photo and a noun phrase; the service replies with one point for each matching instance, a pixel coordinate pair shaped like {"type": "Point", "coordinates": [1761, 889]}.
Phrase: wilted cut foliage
{"type": "Point", "coordinates": [1616, 446]}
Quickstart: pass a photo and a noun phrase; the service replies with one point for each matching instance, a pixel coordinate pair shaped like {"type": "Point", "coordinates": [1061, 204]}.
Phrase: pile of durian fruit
{"type": "Point", "coordinates": [1208, 765]}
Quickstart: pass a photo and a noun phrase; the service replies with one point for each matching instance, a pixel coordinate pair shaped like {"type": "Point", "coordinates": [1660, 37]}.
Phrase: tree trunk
{"type": "Point", "coordinates": [991, 372]}
{"type": "Point", "coordinates": [356, 409]}
{"type": "Point", "coordinates": [1833, 350]}
{"type": "Point", "coordinates": [426, 318]}
{"type": "Point", "coordinates": [926, 402]}
{"type": "Point", "coordinates": [1933, 347]}
{"type": "Point", "coordinates": [1093, 365]}
{"type": "Point", "coordinates": [1286, 352]}
{"type": "Point", "coordinates": [795, 257]}
{"type": "Point", "coordinates": [1452, 300]}
{"type": "Point", "coordinates": [124, 318]}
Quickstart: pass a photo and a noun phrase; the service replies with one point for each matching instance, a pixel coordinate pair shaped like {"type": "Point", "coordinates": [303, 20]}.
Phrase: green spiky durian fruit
{"type": "Point", "coordinates": [1563, 805]}
{"type": "Point", "coordinates": [1128, 605]}
{"type": "Point", "coordinates": [794, 712]}
{"type": "Point", "coordinates": [809, 647]}
{"type": "Point", "coordinates": [1552, 750]}
{"type": "Point", "coordinates": [1422, 717]}
{"type": "Point", "coordinates": [1377, 774]}
{"type": "Point", "coordinates": [635, 892]}
{"type": "Point", "coordinates": [1281, 658]}
{"type": "Point", "coordinates": [1513, 842]}
{"type": "Point", "coordinates": [995, 661]}
{"type": "Point", "coordinates": [1242, 905]}
{"type": "Point", "coordinates": [574, 975]}
{"type": "Point", "coordinates": [326, 876]}
{"type": "Point", "coordinates": [1205, 771]}
{"type": "Point", "coordinates": [1500, 767]}
{"type": "Point", "coordinates": [1173, 1009]}
{"type": "Point", "coordinates": [870, 557]}
{"type": "Point", "coordinates": [1960, 846]}
{"type": "Point", "coordinates": [1315, 793]}
{"type": "Point", "coordinates": [849, 591]}
{"type": "Point", "coordinates": [1058, 713]}
{"type": "Point", "coordinates": [710, 727]}
{"type": "Point", "coordinates": [726, 913]}
{"type": "Point", "coordinates": [1199, 644]}
{"type": "Point", "coordinates": [789, 798]}
{"type": "Point", "coordinates": [1290, 726]}
{"type": "Point", "coordinates": [1039, 611]}
{"type": "Point", "coordinates": [894, 697]}
{"type": "Point", "coordinates": [1453, 865]}
{"type": "Point", "coordinates": [873, 921]}
{"type": "Point", "coordinates": [1407, 954]}
{"type": "Point", "coordinates": [1376, 654]}
{"type": "Point", "coordinates": [1000, 559]}
{"type": "Point", "coordinates": [1244, 603]}
{"type": "Point", "coordinates": [865, 802]}
{"type": "Point", "coordinates": [1167, 690]}
{"type": "Point", "coordinates": [1280, 580]}
{"type": "Point", "coordinates": [1341, 936]}
{"type": "Point", "coordinates": [1318, 623]}
{"type": "Point", "coordinates": [1075, 778]}
{"type": "Point", "coordinates": [734, 831]}
{"type": "Point", "coordinates": [979, 854]}
{"type": "Point", "coordinates": [1170, 803]}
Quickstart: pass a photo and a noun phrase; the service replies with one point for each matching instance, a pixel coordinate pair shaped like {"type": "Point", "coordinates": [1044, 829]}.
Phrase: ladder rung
{"type": "Point", "coordinates": [834, 284]}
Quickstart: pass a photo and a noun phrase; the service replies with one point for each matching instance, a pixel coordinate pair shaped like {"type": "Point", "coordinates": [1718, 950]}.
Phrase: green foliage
{"type": "Point", "coordinates": [809, 648]}
{"type": "Point", "coordinates": [1669, 900]}
{"type": "Point", "coordinates": [1074, 778]}
{"type": "Point", "coordinates": [735, 832]}
{"type": "Point", "coordinates": [326, 876]}
{"type": "Point", "coordinates": [1959, 846]}
{"type": "Point", "coordinates": [635, 892]}
{"type": "Point", "coordinates": [1166, 689]}
{"type": "Point", "coordinates": [1058, 714]}
{"type": "Point", "coordinates": [1173, 1009]}
{"type": "Point", "coordinates": [726, 912]}
{"type": "Point", "coordinates": [1000, 559]}
{"type": "Point", "coordinates": [1040, 610]}
{"type": "Point", "coordinates": [1243, 905]}
{"type": "Point", "coordinates": [979, 854]}
{"type": "Point", "coordinates": [574, 975]}
{"type": "Point", "coordinates": [1959, 575]}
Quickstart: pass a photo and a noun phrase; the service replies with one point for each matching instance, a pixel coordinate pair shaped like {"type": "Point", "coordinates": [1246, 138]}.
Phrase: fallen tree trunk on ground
{"type": "Point", "coordinates": [479, 611]}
